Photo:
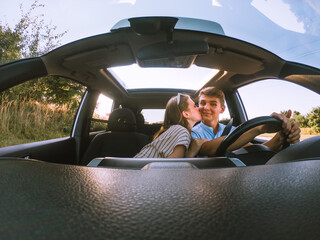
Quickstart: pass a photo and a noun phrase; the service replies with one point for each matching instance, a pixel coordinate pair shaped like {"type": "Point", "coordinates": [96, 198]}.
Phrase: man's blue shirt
{"type": "Point", "coordinates": [203, 131]}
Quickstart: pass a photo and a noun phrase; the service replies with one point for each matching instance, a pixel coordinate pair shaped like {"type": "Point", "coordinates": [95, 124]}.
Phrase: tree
{"type": "Point", "coordinates": [50, 89]}
{"type": "Point", "coordinates": [32, 37]}
{"type": "Point", "coordinates": [10, 49]}
{"type": "Point", "coordinates": [314, 119]}
{"type": "Point", "coordinates": [300, 119]}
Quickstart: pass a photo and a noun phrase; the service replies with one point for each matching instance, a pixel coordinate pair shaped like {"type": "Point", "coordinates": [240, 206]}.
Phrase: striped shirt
{"type": "Point", "coordinates": [164, 145]}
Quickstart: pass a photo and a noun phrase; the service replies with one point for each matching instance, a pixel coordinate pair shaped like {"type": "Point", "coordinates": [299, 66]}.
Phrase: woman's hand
{"type": "Point", "coordinates": [195, 147]}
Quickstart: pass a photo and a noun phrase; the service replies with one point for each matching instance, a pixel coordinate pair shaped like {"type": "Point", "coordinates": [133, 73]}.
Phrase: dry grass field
{"type": "Point", "coordinates": [304, 134]}
{"type": "Point", "coordinates": [29, 121]}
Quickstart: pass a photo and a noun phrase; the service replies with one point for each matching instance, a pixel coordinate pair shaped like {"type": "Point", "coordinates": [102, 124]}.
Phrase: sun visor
{"type": "Point", "coordinates": [110, 56]}
{"type": "Point", "coordinates": [230, 61]}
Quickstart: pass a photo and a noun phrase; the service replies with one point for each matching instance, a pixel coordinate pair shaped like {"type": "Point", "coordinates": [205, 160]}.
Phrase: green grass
{"type": "Point", "coordinates": [28, 121]}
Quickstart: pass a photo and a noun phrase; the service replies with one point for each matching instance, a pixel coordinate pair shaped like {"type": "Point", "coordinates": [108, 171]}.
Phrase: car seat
{"type": "Point", "coordinates": [120, 140]}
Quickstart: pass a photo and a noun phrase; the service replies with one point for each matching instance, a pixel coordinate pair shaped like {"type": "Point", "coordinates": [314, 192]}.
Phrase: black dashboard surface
{"type": "Point", "coordinates": [53, 201]}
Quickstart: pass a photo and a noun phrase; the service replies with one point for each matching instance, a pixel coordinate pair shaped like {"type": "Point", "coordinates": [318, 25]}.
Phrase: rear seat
{"type": "Point", "coordinates": [148, 129]}
{"type": "Point", "coordinates": [121, 139]}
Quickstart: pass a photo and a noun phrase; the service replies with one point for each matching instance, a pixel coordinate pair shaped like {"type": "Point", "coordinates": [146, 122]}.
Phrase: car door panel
{"type": "Point", "coordinates": [61, 150]}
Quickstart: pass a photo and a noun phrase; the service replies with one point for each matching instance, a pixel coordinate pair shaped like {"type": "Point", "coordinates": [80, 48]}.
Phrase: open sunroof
{"type": "Point", "coordinates": [135, 77]}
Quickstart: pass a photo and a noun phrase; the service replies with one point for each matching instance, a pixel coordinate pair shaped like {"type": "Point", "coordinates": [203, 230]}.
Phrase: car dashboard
{"type": "Point", "coordinates": [193, 199]}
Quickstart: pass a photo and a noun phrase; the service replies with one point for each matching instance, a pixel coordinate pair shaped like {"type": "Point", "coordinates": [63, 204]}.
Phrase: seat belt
{"type": "Point", "coordinates": [227, 128]}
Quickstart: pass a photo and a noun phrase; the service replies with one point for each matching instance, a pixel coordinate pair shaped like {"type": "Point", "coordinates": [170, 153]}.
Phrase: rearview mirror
{"type": "Point", "coordinates": [179, 53]}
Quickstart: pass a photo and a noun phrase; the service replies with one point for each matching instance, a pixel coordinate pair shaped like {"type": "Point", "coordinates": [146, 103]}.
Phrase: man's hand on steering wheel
{"type": "Point", "coordinates": [294, 133]}
{"type": "Point", "coordinates": [290, 130]}
{"type": "Point", "coordinates": [287, 132]}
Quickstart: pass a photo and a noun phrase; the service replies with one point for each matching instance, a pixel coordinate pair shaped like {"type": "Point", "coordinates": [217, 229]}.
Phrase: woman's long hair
{"type": "Point", "coordinates": [173, 114]}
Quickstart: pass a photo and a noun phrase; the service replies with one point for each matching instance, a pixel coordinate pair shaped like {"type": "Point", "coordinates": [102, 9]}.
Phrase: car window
{"type": "Point", "coordinates": [101, 113]}
{"type": "Point", "coordinates": [267, 96]}
{"type": "Point", "coordinates": [40, 109]}
{"type": "Point", "coordinates": [225, 116]}
{"type": "Point", "coordinates": [153, 115]}
{"type": "Point", "coordinates": [157, 116]}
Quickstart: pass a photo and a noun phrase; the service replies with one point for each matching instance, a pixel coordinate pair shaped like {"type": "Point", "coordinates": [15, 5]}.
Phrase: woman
{"type": "Point", "coordinates": [173, 139]}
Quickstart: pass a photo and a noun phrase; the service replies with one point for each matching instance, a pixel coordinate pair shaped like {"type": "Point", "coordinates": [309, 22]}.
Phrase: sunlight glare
{"type": "Point", "coordinates": [104, 106]}
{"type": "Point", "coordinates": [132, 2]}
{"type": "Point", "coordinates": [280, 13]}
{"type": "Point", "coordinates": [216, 3]}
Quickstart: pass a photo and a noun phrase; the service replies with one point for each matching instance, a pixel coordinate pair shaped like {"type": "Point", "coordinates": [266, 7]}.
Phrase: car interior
{"type": "Point", "coordinates": [89, 184]}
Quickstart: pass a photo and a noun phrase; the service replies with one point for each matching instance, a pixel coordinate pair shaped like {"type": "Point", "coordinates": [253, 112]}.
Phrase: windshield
{"type": "Point", "coordinates": [289, 28]}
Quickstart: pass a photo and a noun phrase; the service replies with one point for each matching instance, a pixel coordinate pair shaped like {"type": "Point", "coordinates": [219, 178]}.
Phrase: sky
{"type": "Point", "coordinates": [83, 18]}
{"type": "Point", "coordinates": [275, 21]}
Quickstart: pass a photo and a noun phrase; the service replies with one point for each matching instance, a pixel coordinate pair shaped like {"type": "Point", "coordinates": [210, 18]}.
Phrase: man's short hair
{"type": "Point", "coordinates": [213, 92]}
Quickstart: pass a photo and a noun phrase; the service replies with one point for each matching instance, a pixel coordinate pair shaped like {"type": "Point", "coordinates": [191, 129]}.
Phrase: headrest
{"type": "Point", "coordinates": [122, 119]}
{"type": "Point", "coordinates": [140, 120]}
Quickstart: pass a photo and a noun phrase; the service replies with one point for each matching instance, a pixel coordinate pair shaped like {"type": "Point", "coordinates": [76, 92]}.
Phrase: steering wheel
{"type": "Point", "coordinates": [242, 128]}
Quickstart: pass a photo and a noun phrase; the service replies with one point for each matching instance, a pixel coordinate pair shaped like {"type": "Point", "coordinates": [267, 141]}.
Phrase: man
{"type": "Point", "coordinates": [211, 105]}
